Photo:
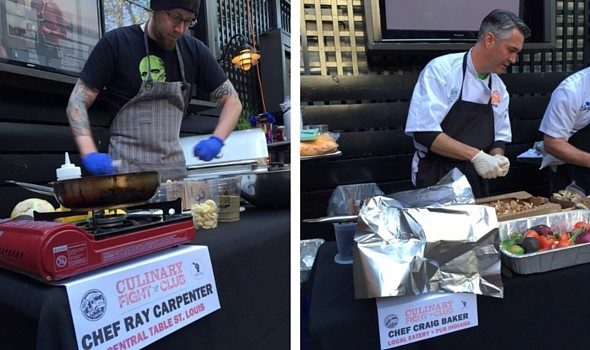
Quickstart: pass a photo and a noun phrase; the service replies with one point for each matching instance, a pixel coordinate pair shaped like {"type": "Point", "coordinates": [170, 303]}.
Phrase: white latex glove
{"type": "Point", "coordinates": [504, 164]}
{"type": "Point", "coordinates": [487, 166]}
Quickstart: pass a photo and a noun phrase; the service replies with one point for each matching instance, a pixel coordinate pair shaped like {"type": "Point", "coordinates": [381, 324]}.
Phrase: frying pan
{"type": "Point", "coordinates": [105, 191]}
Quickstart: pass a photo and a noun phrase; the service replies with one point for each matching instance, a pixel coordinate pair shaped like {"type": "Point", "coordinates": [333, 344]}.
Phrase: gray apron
{"type": "Point", "coordinates": [145, 132]}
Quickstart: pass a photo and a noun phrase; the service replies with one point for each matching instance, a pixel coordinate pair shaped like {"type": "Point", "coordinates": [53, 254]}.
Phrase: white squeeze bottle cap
{"type": "Point", "coordinates": [68, 170]}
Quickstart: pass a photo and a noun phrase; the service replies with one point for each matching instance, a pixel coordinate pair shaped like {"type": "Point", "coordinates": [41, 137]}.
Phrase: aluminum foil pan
{"type": "Point", "coordinates": [307, 252]}
{"type": "Point", "coordinates": [549, 259]}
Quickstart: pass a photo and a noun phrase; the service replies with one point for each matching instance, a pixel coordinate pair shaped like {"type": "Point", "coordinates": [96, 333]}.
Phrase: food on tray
{"type": "Point", "coordinates": [569, 199]}
{"type": "Point", "coordinates": [542, 237]}
{"type": "Point", "coordinates": [510, 206]}
{"type": "Point", "coordinates": [520, 204]}
{"type": "Point", "coordinates": [566, 195]}
{"type": "Point", "coordinates": [323, 144]}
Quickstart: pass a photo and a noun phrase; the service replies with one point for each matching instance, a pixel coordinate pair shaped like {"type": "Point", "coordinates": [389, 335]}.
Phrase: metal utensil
{"type": "Point", "coordinates": [268, 189]}
{"type": "Point", "coordinates": [107, 191]}
{"type": "Point", "coordinates": [342, 218]}
{"type": "Point", "coordinates": [101, 192]}
{"type": "Point", "coordinates": [45, 190]}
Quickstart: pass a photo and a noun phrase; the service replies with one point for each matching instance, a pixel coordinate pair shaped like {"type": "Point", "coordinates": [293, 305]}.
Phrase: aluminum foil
{"type": "Point", "coordinates": [446, 246]}
{"type": "Point", "coordinates": [308, 250]}
{"type": "Point", "coordinates": [452, 189]}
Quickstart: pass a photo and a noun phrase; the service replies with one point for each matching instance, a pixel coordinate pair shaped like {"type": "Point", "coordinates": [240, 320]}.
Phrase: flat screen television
{"type": "Point", "coordinates": [48, 38]}
{"type": "Point", "coordinates": [450, 24]}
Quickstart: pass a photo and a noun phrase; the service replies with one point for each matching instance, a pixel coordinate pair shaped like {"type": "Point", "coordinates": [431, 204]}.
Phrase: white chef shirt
{"type": "Point", "coordinates": [569, 108]}
{"type": "Point", "coordinates": [437, 89]}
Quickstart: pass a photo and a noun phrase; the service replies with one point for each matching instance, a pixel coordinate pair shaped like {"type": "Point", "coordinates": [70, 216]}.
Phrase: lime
{"type": "Point", "coordinates": [516, 249]}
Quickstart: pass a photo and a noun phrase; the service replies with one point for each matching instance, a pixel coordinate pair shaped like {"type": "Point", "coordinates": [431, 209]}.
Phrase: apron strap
{"type": "Point", "coordinates": [147, 52]}
{"type": "Point", "coordinates": [464, 69]}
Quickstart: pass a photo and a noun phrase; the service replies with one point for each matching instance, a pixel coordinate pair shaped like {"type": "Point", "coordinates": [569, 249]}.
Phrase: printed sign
{"type": "Point", "coordinates": [404, 320]}
{"type": "Point", "coordinates": [133, 304]}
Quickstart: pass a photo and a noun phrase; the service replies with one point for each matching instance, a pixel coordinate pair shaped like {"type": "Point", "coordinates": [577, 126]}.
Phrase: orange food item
{"type": "Point", "coordinates": [324, 144]}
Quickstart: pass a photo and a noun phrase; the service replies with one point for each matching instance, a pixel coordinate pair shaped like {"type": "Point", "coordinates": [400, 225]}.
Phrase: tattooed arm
{"type": "Point", "coordinates": [227, 99]}
{"type": "Point", "coordinates": [80, 100]}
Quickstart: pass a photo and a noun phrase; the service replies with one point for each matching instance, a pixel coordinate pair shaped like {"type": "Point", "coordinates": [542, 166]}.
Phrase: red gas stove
{"type": "Point", "coordinates": [50, 251]}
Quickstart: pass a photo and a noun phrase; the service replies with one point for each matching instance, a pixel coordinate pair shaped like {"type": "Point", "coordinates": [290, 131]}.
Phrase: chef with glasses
{"type": "Point", "coordinates": [146, 73]}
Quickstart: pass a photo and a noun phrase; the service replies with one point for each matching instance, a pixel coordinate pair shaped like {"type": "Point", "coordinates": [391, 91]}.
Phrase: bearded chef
{"type": "Point", "coordinates": [566, 129]}
{"type": "Point", "coordinates": [147, 72]}
{"type": "Point", "coordinates": [458, 113]}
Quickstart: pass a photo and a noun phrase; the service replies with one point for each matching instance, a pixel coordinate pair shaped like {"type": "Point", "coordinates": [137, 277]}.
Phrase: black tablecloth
{"type": "Point", "coordinates": [540, 311]}
{"type": "Point", "coordinates": [250, 260]}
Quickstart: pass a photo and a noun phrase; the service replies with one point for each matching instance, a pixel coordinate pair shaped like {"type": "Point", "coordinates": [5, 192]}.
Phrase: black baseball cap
{"type": "Point", "coordinates": [189, 5]}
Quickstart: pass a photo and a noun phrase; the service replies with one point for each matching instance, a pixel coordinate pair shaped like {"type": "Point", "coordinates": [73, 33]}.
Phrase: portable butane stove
{"type": "Point", "coordinates": [50, 251]}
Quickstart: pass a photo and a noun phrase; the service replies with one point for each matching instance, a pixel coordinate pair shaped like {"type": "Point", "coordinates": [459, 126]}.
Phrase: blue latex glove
{"type": "Point", "coordinates": [98, 163]}
{"type": "Point", "coordinates": [209, 148]}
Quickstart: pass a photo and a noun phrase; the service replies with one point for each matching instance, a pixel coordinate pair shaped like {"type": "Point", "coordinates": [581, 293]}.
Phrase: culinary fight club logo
{"type": "Point", "coordinates": [197, 268]}
{"type": "Point", "coordinates": [391, 321]}
{"type": "Point", "coordinates": [585, 106]}
{"type": "Point", "coordinates": [93, 305]}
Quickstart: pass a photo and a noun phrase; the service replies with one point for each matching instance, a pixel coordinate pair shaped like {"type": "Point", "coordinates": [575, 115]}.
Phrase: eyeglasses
{"type": "Point", "coordinates": [176, 20]}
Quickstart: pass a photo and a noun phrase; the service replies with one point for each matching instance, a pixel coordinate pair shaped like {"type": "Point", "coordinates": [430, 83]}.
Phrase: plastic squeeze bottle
{"type": "Point", "coordinates": [68, 170]}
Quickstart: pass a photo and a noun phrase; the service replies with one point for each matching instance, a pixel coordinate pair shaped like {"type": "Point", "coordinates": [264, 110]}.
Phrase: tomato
{"type": "Point", "coordinates": [580, 224]}
{"type": "Point", "coordinates": [562, 244]}
{"type": "Point", "coordinates": [531, 233]}
{"type": "Point", "coordinates": [546, 242]}
{"type": "Point", "coordinates": [563, 240]}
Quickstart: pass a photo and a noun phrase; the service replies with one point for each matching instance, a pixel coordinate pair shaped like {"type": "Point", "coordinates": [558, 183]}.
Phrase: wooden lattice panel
{"type": "Point", "coordinates": [233, 17]}
{"type": "Point", "coordinates": [332, 35]}
{"type": "Point", "coordinates": [333, 42]}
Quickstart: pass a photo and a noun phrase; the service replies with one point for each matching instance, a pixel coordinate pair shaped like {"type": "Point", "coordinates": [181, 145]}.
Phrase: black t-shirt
{"type": "Point", "coordinates": [116, 63]}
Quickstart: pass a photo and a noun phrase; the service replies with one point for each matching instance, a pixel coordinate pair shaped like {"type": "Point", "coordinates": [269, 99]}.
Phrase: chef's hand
{"type": "Point", "coordinates": [209, 148]}
{"type": "Point", "coordinates": [504, 164]}
{"type": "Point", "coordinates": [98, 163]}
{"type": "Point", "coordinates": [486, 166]}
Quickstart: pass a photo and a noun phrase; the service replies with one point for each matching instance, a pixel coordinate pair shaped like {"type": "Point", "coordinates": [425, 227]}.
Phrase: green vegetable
{"type": "Point", "coordinates": [515, 236]}
{"type": "Point", "coordinates": [516, 249]}
{"type": "Point", "coordinates": [507, 243]}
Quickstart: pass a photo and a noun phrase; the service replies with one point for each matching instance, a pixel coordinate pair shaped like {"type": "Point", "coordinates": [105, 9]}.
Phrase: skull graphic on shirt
{"type": "Point", "coordinates": [156, 67]}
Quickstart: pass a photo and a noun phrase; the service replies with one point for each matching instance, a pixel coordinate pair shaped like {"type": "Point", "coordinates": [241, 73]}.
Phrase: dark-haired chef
{"type": "Point", "coordinates": [148, 71]}
{"type": "Point", "coordinates": [458, 113]}
{"type": "Point", "coordinates": [566, 128]}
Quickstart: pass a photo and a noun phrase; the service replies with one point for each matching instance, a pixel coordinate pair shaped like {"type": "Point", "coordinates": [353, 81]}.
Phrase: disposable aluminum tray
{"type": "Point", "coordinates": [307, 250]}
{"type": "Point", "coordinates": [550, 259]}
